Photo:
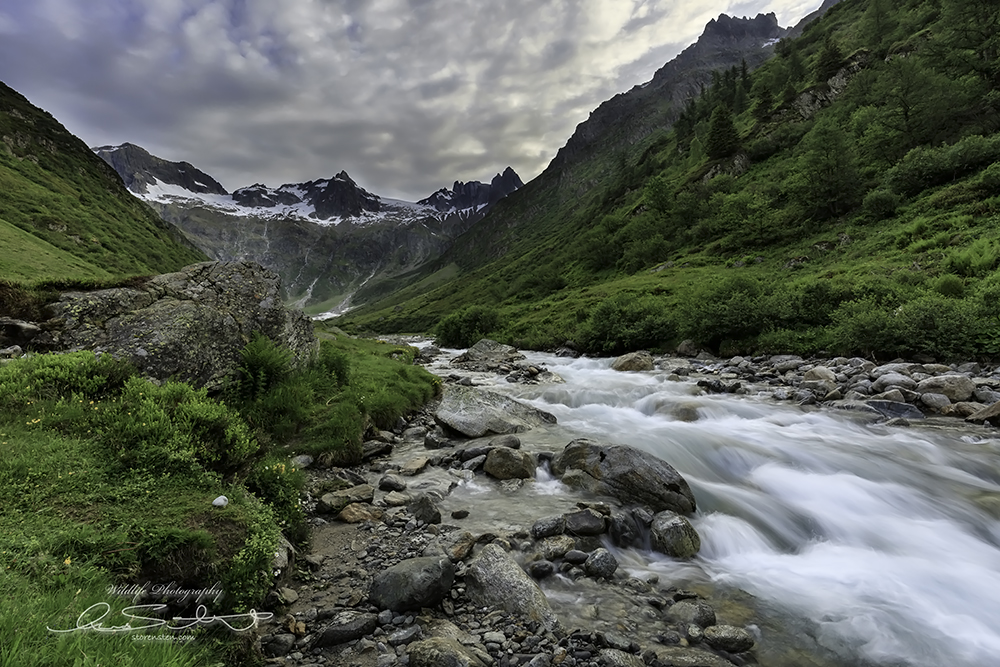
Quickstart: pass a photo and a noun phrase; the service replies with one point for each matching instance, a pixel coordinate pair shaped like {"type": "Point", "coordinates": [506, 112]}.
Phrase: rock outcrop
{"type": "Point", "coordinates": [189, 325]}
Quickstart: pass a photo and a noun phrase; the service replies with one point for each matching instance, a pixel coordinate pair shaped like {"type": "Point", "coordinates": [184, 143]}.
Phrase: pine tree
{"type": "Point", "coordinates": [829, 62]}
{"type": "Point", "coordinates": [764, 104]}
{"type": "Point", "coordinates": [723, 140]}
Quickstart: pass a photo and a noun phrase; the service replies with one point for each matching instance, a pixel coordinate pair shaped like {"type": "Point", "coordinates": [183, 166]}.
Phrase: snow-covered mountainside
{"type": "Point", "coordinates": [328, 201]}
{"type": "Point", "coordinates": [325, 238]}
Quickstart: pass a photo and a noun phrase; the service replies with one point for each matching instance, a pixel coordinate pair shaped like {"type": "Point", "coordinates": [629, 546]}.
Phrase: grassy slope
{"type": "Point", "coordinates": [54, 188]}
{"type": "Point", "coordinates": [569, 241]}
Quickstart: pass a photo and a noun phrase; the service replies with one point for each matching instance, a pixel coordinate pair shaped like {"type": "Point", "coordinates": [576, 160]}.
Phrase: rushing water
{"type": "Point", "coordinates": [885, 541]}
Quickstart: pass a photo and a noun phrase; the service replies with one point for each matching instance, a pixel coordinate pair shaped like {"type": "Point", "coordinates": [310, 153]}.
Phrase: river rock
{"type": "Point", "coordinates": [425, 509]}
{"type": "Point", "coordinates": [506, 463]}
{"type": "Point", "coordinates": [990, 415]}
{"type": "Point", "coordinates": [189, 326]}
{"type": "Point", "coordinates": [391, 483]}
{"type": "Point", "coordinates": [600, 563]}
{"type": "Point", "coordinates": [895, 409]}
{"type": "Point", "coordinates": [477, 412]}
{"type": "Point", "coordinates": [443, 652]}
{"type": "Point", "coordinates": [346, 626]}
{"type": "Point", "coordinates": [673, 535]}
{"type": "Point", "coordinates": [819, 374]}
{"type": "Point", "coordinates": [936, 402]}
{"type": "Point", "coordinates": [887, 380]}
{"type": "Point", "coordinates": [728, 638]}
{"type": "Point", "coordinates": [628, 474]}
{"type": "Point", "coordinates": [613, 657]}
{"type": "Point", "coordinates": [335, 501]}
{"type": "Point", "coordinates": [412, 584]}
{"type": "Point", "coordinates": [494, 579]}
{"type": "Point", "coordinates": [585, 522]}
{"type": "Point", "coordinates": [359, 513]}
{"type": "Point", "coordinates": [958, 388]}
{"type": "Point", "coordinates": [633, 361]}
{"type": "Point", "coordinates": [547, 527]}
{"type": "Point", "coordinates": [697, 612]}
{"type": "Point", "coordinates": [689, 657]}
{"type": "Point", "coordinates": [557, 546]}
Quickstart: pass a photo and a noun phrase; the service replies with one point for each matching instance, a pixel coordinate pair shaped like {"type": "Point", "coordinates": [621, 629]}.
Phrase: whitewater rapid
{"type": "Point", "coordinates": [884, 540]}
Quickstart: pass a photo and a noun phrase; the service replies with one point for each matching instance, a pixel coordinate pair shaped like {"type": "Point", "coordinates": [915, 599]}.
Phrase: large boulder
{"type": "Point", "coordinates": [506, 463]}
{"type": "Point", "coordinates": [476, 412]}
{"type": "Point", "coordinates": [626, 473]}
{"type": "Point", "coordinates": [413, 584]}
{"type": "Point", "coordinates": [189, 325]}
{"type": "Point", "coordinates": [633, 361]}
{"type": "Point", "coordinates": [488, 351]}
{"type": "Point", "coordinates": [494, 579]}
{"type": "Point", "coordinates": [958, 388]}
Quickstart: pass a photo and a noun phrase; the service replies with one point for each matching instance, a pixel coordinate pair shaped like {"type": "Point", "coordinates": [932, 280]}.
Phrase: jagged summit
{"type": "Point", "coordinates": [629, 117]}
{"type": "Point", "coordinates": [474, 194]}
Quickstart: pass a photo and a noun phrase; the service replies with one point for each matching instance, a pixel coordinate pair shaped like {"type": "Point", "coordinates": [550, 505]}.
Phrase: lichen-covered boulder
{"type": "Point", "coordinates": [673, 535]}
{"type": "Point", "coordinates": [476, 412]}
{"type": "Point", "coordinates": [626, 473]}
{"type": "Point", "coordinates": [189, 325]}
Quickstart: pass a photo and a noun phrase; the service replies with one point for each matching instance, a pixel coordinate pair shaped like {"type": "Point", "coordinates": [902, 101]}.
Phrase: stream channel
{"type": "Point", "coordinates": [854, 543]}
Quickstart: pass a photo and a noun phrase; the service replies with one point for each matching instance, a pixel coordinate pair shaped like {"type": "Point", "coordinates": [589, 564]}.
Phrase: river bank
{"type": "Point", "coordinates": [736, 523]}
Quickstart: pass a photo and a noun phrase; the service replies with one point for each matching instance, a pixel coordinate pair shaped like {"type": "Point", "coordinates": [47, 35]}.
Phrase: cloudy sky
{"type": "Point", "coordinates": [406, 95]}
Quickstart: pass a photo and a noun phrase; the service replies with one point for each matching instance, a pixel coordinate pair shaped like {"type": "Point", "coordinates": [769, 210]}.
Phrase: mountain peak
{"type": "Point", "coordinates": [474, 194]}
{"type": "Point", "coordinates": [140, 169]}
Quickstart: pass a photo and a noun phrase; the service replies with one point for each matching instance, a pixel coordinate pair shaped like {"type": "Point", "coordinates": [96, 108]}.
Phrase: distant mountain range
{"type": "Point", "coordinates": [324, 237]}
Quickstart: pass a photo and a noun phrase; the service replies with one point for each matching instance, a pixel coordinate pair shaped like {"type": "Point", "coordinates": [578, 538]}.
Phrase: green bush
{"type": "Point", "coordinates": [880, 204]}
{"type": "Point", "coordinates": [735, 309]}
{"type": "Point", "coordinates": [174, 427]}
{"type": "Point", "coordinates": [950, 285]}
{"type": "Point", "coordinates": [923, 168]}
{"type": "Point", "coordinates": [624, 322]}
{"type": "Point", "coordinates": [989, 180]}
{"type": "Point", "coordinates": [467, 326]}
{"type": "Point", "coordinates": [864, 326]}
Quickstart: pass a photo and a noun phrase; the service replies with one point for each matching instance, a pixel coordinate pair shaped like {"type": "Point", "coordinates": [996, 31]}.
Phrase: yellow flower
{"type": "Point", "coordinates": [68, 560]}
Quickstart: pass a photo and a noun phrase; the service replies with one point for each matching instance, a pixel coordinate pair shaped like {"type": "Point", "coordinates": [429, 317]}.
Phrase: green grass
{"type": "Point", "coordinates": [27, 257]}
{"type": "Point", "coordinates": [54, 189]}
{"type": "Point", "coordinates": [109, 480]}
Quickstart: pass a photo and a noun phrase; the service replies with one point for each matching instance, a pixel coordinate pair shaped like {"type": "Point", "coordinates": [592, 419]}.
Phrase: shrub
{"type": "Point", "coordinates": [51, 376]}
{"type": "Point", "coordinates": [989, 180]}
{"type": "Point", "coordinates": [880, 204]}
{"type": "Point", "coordinates": [174, 427]}
{"type": "Point", "coordinates": [623, 322]}
{"type": "Point", "coordinates": [466, 327]}
{"type": "Point", "coordinates": [950, 285]}
{"type": "Point", "coordinates": [923, 168]}
{"type": "Point", "coordinates": [864, 326]}
{"type": "Point", "coordinates": [276, 482]}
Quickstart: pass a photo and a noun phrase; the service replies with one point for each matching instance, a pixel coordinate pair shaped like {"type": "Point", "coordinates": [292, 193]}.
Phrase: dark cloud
{"type": "Point", "coordinates": [406, 95]}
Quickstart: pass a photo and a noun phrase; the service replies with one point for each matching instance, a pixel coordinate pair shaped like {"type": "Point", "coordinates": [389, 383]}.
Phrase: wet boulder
{"type": "Point", "coordinates": [505, 463]}
{"type": "Point", "coordinates": [477, 412]}
{"type": "Point", "coordinates": [673, 535]}
{"type": "Point", "coordinates": [633, 361]}
{"type": "Point", "coordinates": [626, 473]}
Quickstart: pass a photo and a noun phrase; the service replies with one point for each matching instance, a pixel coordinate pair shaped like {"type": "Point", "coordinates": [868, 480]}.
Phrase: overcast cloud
{"type": "Point", "coordinates": [406, 95]}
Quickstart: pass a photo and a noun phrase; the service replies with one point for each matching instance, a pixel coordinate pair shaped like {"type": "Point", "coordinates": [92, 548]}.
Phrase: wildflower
{"type": "Point", "coordinates": [68, 560]}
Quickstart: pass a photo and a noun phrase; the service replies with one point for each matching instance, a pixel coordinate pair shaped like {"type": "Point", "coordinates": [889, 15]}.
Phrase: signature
{"type": "Point", "coordinates": [92, 619]}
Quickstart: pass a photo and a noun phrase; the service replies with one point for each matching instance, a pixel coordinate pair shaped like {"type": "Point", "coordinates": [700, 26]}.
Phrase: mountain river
{"type": "Point", "coordinates": [857, 543]}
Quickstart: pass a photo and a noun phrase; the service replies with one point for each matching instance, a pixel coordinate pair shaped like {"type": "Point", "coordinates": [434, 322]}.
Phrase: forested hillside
{"type": "Point", "coordinates": [843, 196]}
